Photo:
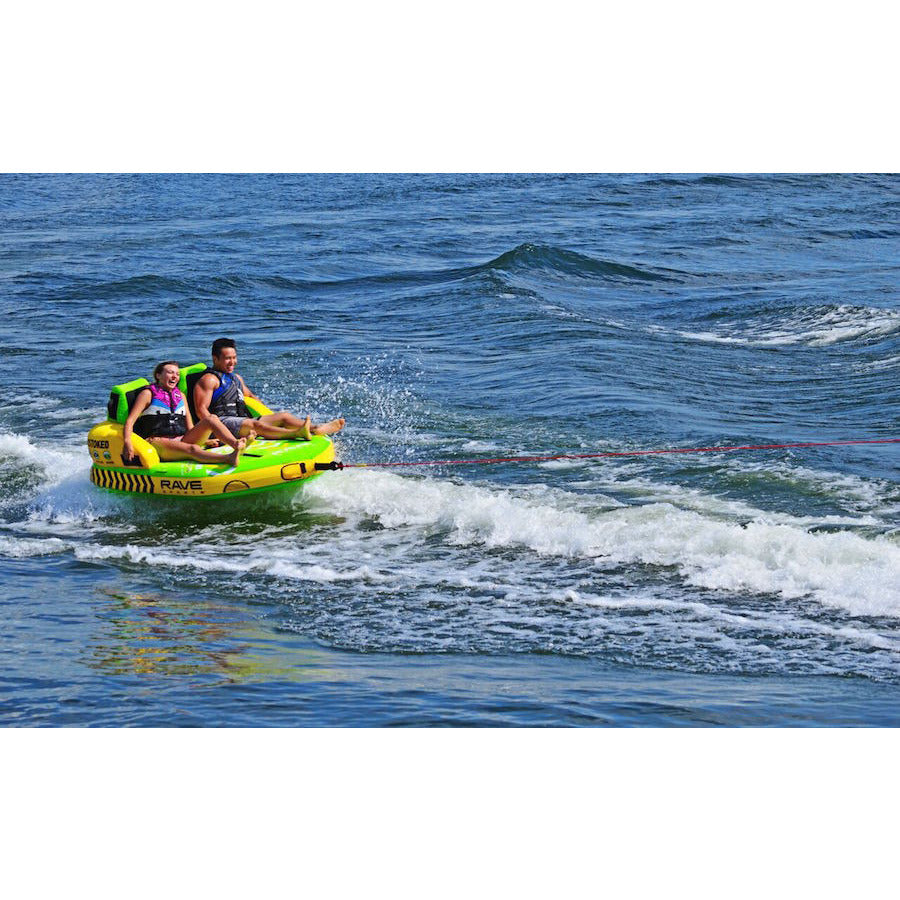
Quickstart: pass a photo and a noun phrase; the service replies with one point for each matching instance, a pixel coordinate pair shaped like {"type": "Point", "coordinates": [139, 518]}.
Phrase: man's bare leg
{"type": "Point", "coordinates": [331, 427]}
{"type": "Point", "coordinates": [281, 425]}
{"type": "Point", "coordinates": [290, 421]}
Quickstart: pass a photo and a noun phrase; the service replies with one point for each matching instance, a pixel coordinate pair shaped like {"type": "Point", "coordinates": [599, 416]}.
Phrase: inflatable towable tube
{"type": "Point", "coordinates": [266, 465]}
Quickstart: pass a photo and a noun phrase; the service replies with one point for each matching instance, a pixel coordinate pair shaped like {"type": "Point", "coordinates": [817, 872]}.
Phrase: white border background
{"type": "Point", "coordinates": [476, 87]}
{"type": "Point", "coordinates": [487, 86]}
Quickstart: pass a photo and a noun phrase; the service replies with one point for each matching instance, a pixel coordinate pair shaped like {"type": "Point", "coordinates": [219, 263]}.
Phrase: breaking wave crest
{"type": "Point", "coordinates": [818, 326]}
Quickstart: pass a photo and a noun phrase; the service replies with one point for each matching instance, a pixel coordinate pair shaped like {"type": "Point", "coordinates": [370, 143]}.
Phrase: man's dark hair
{"type": "Point", "coordinates": [219, 344]}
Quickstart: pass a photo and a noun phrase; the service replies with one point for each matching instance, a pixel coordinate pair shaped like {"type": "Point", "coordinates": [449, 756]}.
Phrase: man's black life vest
{"type": "Point", "coordinates": [227, 398]}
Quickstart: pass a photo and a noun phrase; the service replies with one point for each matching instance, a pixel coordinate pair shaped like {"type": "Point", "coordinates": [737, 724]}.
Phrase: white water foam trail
{"type": "Point", "coordinates": [843, 570]}
{"type": "Point", "coordinates": [694, 533]}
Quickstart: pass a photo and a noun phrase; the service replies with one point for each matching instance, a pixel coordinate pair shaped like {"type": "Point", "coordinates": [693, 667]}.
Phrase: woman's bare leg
{"type": "Point", "coordinates": [210, 425]}
{"type": "Point", "coordinates": [173, 449]}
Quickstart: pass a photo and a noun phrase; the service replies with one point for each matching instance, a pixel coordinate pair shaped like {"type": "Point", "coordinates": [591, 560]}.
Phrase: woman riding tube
{"type": "Point", "coordinates": [160, 416]}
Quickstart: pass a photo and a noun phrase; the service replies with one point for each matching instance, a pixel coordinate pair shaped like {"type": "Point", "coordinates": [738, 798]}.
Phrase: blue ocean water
{"type": "Point", "coordinates": [471, 316]}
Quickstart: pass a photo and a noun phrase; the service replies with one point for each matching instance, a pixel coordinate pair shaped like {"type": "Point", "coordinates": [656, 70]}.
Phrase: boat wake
{"type": "Point", "coordinates": [846, 560]}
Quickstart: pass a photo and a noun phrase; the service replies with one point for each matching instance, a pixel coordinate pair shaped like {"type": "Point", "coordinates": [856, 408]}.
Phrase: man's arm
{"type": "Point", "coordinates": [203, 391]}
{"type": "Point", "coordinates": [245, 389]}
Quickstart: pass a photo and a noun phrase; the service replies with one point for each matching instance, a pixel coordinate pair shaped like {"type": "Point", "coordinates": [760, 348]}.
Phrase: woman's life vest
{"type": "Point", "coordinates": [164, 415]}
{"type": "Point", "coordinates": [228, 397]}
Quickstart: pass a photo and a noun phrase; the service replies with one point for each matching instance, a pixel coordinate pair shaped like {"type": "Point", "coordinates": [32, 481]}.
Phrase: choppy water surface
{"type": "Point", "coordinates": [463, 317]}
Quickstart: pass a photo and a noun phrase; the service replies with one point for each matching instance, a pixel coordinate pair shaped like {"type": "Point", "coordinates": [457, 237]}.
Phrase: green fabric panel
{"type": "Point", "coordinates": [118, 397]}
{"type": "Point", "coordinates": [188, 370]}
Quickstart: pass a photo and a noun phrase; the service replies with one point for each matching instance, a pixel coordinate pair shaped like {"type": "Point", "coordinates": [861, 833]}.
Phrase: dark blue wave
{"type": "Point", "coordinates": [529, 258]}
{"type": "Point", "coordinates": [526, 259]}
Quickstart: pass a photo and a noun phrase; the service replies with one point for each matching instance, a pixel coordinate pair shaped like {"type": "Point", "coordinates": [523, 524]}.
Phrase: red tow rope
{"type": "Point", "coordinates": [518, 459]}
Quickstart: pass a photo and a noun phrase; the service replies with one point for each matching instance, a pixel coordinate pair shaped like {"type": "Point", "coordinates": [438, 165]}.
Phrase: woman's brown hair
{"type": "Point", "coordinates": [161, 366]}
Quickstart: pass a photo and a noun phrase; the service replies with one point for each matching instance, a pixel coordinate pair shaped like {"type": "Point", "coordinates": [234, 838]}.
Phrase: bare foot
{"type": "Point", "coordinates": [331, 427]}
{"type": "Point", "coordinates": [303, 432]}
{"type": "Point", "coordinates": [235, 455]}
{"type": "Point", "coordinates": [251, 435]}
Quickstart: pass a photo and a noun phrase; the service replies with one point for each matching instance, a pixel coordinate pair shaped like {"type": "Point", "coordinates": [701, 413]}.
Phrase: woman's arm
{"type": "Point", "coordinates": [142, 401]}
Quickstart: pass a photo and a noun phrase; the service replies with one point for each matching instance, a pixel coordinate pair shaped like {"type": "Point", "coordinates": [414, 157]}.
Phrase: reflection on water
{"type": "Point", "coordinates": [145, 633]}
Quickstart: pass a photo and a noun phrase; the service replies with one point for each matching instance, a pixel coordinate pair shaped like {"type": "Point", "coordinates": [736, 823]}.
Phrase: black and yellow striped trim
{"type": "Point", "coordinates": [132, 482]}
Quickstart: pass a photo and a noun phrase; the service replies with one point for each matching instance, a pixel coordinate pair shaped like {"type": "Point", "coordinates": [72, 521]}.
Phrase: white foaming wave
{"type": "Point", "coordinates": [781, 623]}
{"type": "Point", "coordinates": [841, 569]}
{"type": "Point", "coordinates": [813, 327]}
{"type": "Point", "coordinates": [72, 502]}
{"type": "Point", "coordinates": [325, 574]}
{"type": "Point", "coordinates": [20, 447]}
{"type": "Point", "coordinates": [145, 555]}
{"type": "Point", "coordinates": [650, 490]}
{"type": "Point", "coordinates": [563, 464]}
{"type": "Point", "coordinates": [22, 548]}
{"type": "Point", "coordinates": [55, 464]}
{"type": "Point", "coordinates": [838, 569]}
{"type": "Point", "coordinates": [865, 495]}
{"type": "Point", "coordinates": [890, 362]}
{"type": "Point", "coordinates": [211, 560]}
{"type": "Point", "coordinates": [475, 446]}
{"type": "Point", "coordinates": [469, 513]}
